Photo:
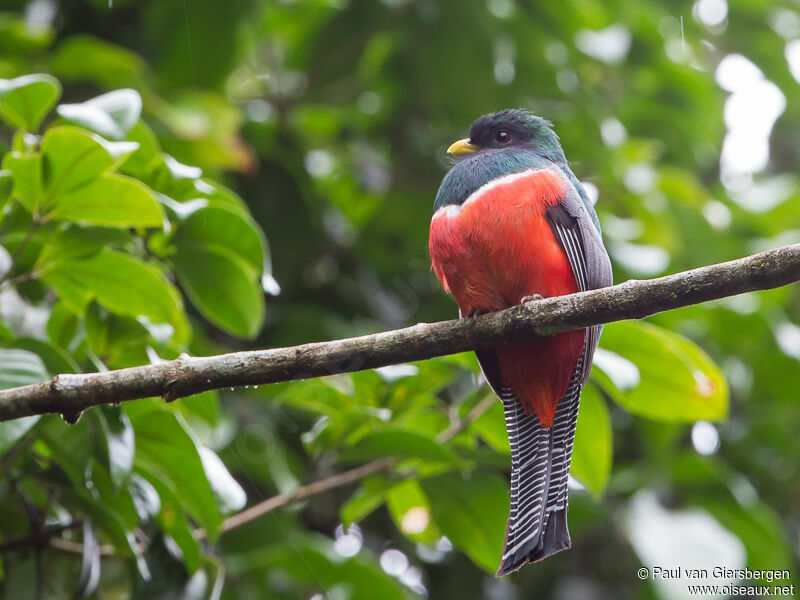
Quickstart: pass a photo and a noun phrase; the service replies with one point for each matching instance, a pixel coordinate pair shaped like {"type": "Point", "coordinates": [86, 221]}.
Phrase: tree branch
{"type": "Point", "coordinates": [185, 376]}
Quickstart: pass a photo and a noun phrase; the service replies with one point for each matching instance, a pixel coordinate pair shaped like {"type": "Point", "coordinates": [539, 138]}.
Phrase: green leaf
{"type": "Point", "coordinates": [122, 284]}
{"type": "Point", "coordinates": [148, 156]}
{"type": "Point", "coordinates": [164, 444]}
{"type": "Point", "coordinates": [229, 494]}
{"type": "Point", "coordinates": [411, 512]}
{"type": "Point", "coordinates": [758, 527]}
{"type": "Point", "coordinates": [366, 499]}
{"type": "Point", "coordinates": [20, 367]}
{"type": "Point", "coordinates": [221, 254]}
{"type": "Point", "coordinates": [172, 519]}
{"type": "Point", "coordinates": [26, 100]}
{"type": "Point", "coordinates": [677, 381]}
{"type": "Point", "coordinates": [399, 444]}
{"type": "Point", "coordinates": [26, 170]}
{"type": "Point", "coordinates": [120, 441]}
{"type": "Point", "coordinates": [76, 242]}
{"type": "Point", "coordinates": [204, 406]}
{"type": "Point", "coordinates": [491, 426]}
{"type": "Point", "coordinates": [222, 286]}
{"type": "Point", "coordinates": [6, 186]}
{"type": "Point", "coordinates": [62, 325]}
{"type": "Point", "coordinates": [85, 58]}
{"type": "Point", "coordinates": [117, 341]}
{"type": "Point", "coordinates": [592, 452]}
{"type": "Point", "coordinates": [472, 511]}
{"type": "Point", "coordinates": [311, 562]}
{"type": "Point", "coordinates": [112, 525]}
{"type": "Point", "coordinates": [111, 200]}
{"type": "Point", "coordinates": [55, 359]}
{"type": "Point", "coordinates": [74, 157]}
{"type": "Point", "coordinates": [12, 431]}
{"type": "Point", "coordinates": [224, 225]}
{"type": "Point", "coordinates": [113, 114]}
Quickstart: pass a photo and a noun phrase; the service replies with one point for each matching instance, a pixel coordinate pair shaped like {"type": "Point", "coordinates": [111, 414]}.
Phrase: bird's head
{"type": "Point", "coordinates": [510, 129]}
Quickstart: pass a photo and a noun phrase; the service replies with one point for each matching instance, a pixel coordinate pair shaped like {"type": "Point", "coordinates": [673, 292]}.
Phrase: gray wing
{"type": "Point", "coordinates": [574, 229]}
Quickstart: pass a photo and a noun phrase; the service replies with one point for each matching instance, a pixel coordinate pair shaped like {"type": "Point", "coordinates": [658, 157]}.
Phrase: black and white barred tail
{"type": "Point", "coordinates": [540, 461]}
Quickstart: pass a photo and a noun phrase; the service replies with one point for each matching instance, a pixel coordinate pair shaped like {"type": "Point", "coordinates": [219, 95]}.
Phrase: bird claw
{"type": "Point", "coordinates": [531, 298]}
{"type": "Point", "coordinates": [473, 314]}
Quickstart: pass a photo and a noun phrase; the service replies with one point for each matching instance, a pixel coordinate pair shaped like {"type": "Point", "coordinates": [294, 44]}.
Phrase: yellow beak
{"type": "Point", "coordinates": [462, 147]}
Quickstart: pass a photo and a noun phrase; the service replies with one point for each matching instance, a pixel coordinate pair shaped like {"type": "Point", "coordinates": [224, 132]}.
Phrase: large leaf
{"type": "Point", "coordinates": [224, 224]}
{"type": "Point", "coordinates": [147, 157]}
{"type": "Point", "coordinates": [172, 519]}
{"type": "Point", "coordinates": [6, 186]}
{"type": "Point", "coordinates": [74, 157]}
{"type": "Point", "coordinates": [399, 444]}
{"type": "Point", "coordinates": [760, 530]}
{"type": "Point", "coordinates": [165, 445]}
{"type": "Point", "coordinates": [76, 242]}
{"type": "Point", "coordinates": [366, 499]}
{"type": "Point", "coordinates": [120, 441]}
{"type": "Point", "coordinates": [113, 200]}
{"type": "Point", "coordinates": [221, 254]}
{"type": "Point", "coordinates": [113, 114]}
{"type": "Point", "coordinates": [85, 58]}
{"type": "Point", "coordinates": [592, 452]}
{"type": "Point", "coordinates": [18, 367]}
{"type": "Point", "coordinates": [25, 101]}
{"type": "Point", "coordinates": [310, 561]}
{"type": "Point", "coordinates": [223, 286]}
{"type": "Point", "coordinates": [117, 341]}
{"type": "Point", "coordinates": [471, 510]}
{"type": "Point", "coordinates": [55, 359]}
{"type": "Point", "coordinates": [677, 382]}
{"type": "Point", "coordinates": [411, 512]}
{"type": "Point", "coordinates": [122, 284]}
{"type": "Point", "coordinates": [107, 519]}
{"type": "Point", "coordinates": [26, 171]}
{"type": "Point", "coordinates": [491, 427]}
{"type": "Point", "coordinates": [229, 494]}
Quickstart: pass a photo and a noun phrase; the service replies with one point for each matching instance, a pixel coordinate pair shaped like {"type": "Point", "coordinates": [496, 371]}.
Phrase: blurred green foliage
{"type": "Point", "coordinates": [149, 151]}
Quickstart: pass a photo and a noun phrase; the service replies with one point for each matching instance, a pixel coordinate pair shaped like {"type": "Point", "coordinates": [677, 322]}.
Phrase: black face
{"type": "Point", "coordinates": [501, 130]}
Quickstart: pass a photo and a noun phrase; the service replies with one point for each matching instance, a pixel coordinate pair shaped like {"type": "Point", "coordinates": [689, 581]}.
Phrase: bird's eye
{"type": "Point", "coordinates": [502, 137]}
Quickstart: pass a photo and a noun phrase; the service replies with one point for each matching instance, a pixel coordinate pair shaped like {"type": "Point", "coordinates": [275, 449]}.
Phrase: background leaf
{"type": "Point", "coordinates": [113, 114]}
{"type": "Point", "coordinates": [121, 442]}
{"type": "Point", "coordinates": [592, 452]}
{"type": "Point", "coordinates": [123, 285]}
{"type": "Point", "coordinates": [165, 445]}
{"type": "Point", "coordinates": [678, 381]}
{"type": "Point", "coordinates": [223, 287]}
{"type": "Point", "coordinates": [18, 367]}
{"type": "Point", "coordinates": [73, 158]}
{"type": "Point", "coordinates": [111, 200]}
{"type": "Point", "coordinates": [472, 512]}
{"type": "Point", "coordinates": [24, 101]}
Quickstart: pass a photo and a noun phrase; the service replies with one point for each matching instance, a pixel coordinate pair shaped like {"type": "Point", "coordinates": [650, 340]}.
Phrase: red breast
{"type": "Point", "coordinates": [493, 250]}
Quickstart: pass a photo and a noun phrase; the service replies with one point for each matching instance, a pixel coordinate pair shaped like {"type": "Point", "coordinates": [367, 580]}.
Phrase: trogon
{"type": "Point", "coordinates": [512, 223]}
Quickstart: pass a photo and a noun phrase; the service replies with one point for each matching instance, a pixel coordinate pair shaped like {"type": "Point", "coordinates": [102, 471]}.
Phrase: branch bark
{"type": "Point", "coordinates": [185, 376]}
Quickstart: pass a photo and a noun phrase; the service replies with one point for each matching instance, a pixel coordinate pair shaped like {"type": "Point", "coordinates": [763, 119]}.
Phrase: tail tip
{"type": "Point", "coordinates": [555, 539]}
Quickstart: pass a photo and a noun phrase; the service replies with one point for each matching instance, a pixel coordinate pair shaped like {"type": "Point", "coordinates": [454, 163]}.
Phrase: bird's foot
{"type": "Point", "coordinates": [473, 314]}
{"type": "Point", "coordinates": [531, 298]}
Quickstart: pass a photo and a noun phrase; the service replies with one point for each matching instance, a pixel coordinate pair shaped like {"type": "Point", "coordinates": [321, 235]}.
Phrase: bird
{"type": "Point", "coordinates": [512, 224]}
